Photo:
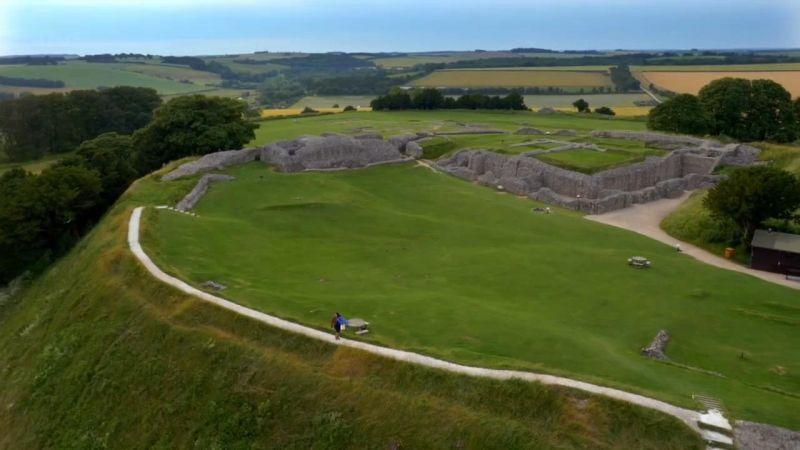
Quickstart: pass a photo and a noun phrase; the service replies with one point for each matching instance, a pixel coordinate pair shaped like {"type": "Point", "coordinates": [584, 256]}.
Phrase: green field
{"type": "Point", "coordinates": [595, 100]}
{"type": "Point", "coordinates": [516, 77]}
{"type": "Point", "coordinates": [328, 101]}
{"type": "Point", "coordinates": [96, 353]}
{"type": "Point", "coordinates": [391, 123]}
{"type": "Point", "coordinates": [410, 60]}
{"type": "Point", "coordinates": [83, 75]}
{"type": "Point", "coordinates": [447, 268]}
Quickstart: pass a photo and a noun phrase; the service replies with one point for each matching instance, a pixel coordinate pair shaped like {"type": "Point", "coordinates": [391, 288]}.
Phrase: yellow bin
{"type": "Point", "coordinates": [730, 252]}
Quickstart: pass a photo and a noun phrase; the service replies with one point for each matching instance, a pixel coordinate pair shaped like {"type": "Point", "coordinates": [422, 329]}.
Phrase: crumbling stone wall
{"type": "Point", "coordinates": [213, 161]}
{"type": "Point", "coordinates": [605, 191]}
{"type": "Point", "coordinates": [199, 191]}
{"type": "Point", "coordinates": [329, 152]}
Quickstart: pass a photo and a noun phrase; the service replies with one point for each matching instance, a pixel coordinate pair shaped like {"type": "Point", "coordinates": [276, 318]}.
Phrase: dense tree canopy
{"type": "Point", "coordinates": [751, 195]}
{"type": "Point", "coordinates": [41, 215]}
{"type": "Point", "coordinates": [623, 79]}
{"type": "Point", "coordinates": [757, 110]}
{"type": "Point", "coordinates": [32, 126]}
{"type": "Point", "coordinates": [192, 125]}
{"type": "Point", "coordinates": [681, 114]}
{"type": "Point", "coordinates": [749, 110]}
{"type": "Point", "coordinates": [432, 98]}
{"type": "Point", "coordinates": [111, 155]}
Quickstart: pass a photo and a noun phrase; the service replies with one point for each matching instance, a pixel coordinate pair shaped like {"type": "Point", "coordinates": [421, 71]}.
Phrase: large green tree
{"type": "Point", "coordinates": [750, 110]}
{"type": "Point", "coordinates": [726, 102]}
{"type": "Point", "coordinates": [192, 125]}
{"type": "Point", "coordinates": [32, 126]}
{"type": "Point", "coordinates": [681, 114]}
{"type": "Point", "coordinates": [771, 116]}
{"type": "Point", "coordinates": [112, 156]}
{"type": "Point", "coordinates": [581, 105]}
{"type": "Point", "coordinates": [427, 98]}
{"type": "Point", "coordinates": [42, 215]}
{"type": "Point", "coordinates": [751, 195]}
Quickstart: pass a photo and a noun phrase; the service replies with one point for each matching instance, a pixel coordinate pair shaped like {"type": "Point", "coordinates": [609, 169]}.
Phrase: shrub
{"type": "Point", "coordinates": [680, 114]}
{"type": "Point", "coordinates": [605, 110]}
{"type": "Point", "coordinates": [581, 105]}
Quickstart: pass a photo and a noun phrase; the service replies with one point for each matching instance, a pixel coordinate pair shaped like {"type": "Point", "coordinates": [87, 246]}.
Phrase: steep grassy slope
{"type": "Point", "coordinates": [96, 354]}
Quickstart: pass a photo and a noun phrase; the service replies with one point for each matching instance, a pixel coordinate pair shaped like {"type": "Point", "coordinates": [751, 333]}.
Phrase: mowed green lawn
{"type": "Point", "coordinates": [448, 268]}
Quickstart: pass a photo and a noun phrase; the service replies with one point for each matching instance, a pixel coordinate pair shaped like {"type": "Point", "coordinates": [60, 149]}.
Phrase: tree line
{"type": "Point", "coordinates": [31, 82]}
{"type": "Point", "coordinates": [33, 126]}
{"type": "Point", "coordinates": [746, 110]}
{"type": "Point", "coordinates": [432, 98]}
{"type": "Point", "coordinates": [41, 216]}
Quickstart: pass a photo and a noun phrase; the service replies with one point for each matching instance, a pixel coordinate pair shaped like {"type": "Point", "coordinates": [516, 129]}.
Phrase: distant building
{"type": "Point", "coordinates": [776, 252]}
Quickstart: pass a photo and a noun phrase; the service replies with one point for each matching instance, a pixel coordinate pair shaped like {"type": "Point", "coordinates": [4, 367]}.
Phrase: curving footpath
{"type": "Point", "coordinates": [688, 416]}
{"type": "Point", "coordinates": [645, 218]}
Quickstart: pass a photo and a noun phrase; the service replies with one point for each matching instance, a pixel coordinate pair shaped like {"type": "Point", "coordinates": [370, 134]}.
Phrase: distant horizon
{"type": "Point", "coordinates": [214, 27]}
{"type": "Point", "coordinates": [644, 50]}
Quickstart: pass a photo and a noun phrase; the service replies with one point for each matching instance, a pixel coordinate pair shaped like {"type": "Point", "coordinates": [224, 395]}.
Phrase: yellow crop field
{"type": "Point", "coordinates": [692, 82]}
{"type": "Point", "coordinates": [510, 78]}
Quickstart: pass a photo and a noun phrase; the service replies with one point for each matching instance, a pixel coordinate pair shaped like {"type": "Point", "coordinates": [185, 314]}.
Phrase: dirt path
{"type": "Point", "coordinates": [646, 218]}
{"type": "Point", "coordinates": [688, 416]}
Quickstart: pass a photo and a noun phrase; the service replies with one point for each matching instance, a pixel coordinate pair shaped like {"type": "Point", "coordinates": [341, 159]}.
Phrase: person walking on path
{"type": "Point", "coordinates": [337, 322]}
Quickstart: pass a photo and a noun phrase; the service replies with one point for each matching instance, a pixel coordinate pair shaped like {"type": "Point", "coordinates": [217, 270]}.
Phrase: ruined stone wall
{"type": "Point", "coordinates": [331, 152]}
{"type": "Point", "coordinates": [192, 198]}
{"type": "Point", "coordinates": [656, 138]}
{"type": "Point", "coordinates": [213, 161]}
{"type": "Point", "coordinates": [605, 191]}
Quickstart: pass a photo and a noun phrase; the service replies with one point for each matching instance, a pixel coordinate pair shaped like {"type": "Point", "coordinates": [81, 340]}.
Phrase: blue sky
{"type": "Point", "coordinates": [183, 27]}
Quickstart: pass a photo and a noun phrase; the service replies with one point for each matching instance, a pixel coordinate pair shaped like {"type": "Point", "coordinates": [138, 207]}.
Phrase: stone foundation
{"type": "Point", "coordinates": [688, 167]}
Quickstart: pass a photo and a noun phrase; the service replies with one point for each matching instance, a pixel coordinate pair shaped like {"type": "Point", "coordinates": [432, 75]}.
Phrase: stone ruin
{"type": "Point", "coordinates": [199, 191]}
{"type": "Point", "coordinates": [688, 166]}
{"type": "Point", "coordinates": [331, 151]}
{"type": "Point", "coordinates": [326, 152]}
{"type": "Point", "coordinates": [657, 348]}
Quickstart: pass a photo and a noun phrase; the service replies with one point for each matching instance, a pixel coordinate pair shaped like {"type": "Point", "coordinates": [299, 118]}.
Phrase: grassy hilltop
{"type": "Point", "coordinates": [96, 353]}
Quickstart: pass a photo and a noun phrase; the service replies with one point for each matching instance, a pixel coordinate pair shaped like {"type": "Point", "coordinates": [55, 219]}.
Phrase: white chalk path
{"type": "Point", "coordinates": [688, 416]}
{"type": "Point", "coordinates": [645, 218]}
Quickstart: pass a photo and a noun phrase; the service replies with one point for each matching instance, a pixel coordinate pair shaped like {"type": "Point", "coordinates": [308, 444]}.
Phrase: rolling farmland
{"type": "Point", "coordinates": [81, 75]}
{"type": "Point", "coordinates": [691, 82]}
{"type": "Point", "coordinates": [509, 78]}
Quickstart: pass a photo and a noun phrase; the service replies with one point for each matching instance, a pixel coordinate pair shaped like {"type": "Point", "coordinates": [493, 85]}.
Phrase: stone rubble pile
{"type": "Point", "coordinates": [657, 348]}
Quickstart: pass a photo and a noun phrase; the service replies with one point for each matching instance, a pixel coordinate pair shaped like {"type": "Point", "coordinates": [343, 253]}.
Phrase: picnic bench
{"type": "Point", "coordinates": [360, 325]}
{"type": "Point", "coordinates": [639, 262]}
